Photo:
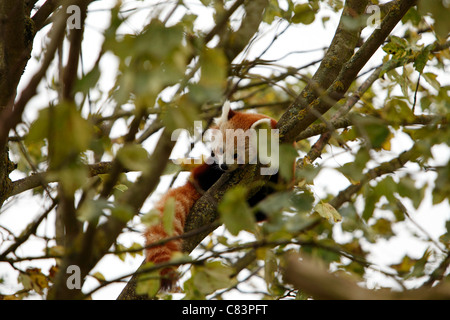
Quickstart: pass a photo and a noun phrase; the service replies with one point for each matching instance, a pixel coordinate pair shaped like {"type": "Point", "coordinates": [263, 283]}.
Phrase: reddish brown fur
{"type": "Point", "coordinates": [185, 197]}
{"type": "Point", "coordinates": [244, 121]}
{"type": "Point", "coordinates": [202, 177]}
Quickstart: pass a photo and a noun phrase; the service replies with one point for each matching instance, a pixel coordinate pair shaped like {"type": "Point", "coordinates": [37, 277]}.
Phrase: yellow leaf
{"type": "Point", "coordinates": [327, 211]}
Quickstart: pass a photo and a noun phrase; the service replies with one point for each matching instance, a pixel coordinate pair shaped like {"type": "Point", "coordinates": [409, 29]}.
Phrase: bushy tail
{"type": "Point", "coordinates": [185, 197]}
{"type": "Point", "coordinates": [162, 254]}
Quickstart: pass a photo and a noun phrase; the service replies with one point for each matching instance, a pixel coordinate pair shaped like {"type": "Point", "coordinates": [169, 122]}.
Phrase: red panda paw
{"type": "Point", "coordinates": [169, 278]}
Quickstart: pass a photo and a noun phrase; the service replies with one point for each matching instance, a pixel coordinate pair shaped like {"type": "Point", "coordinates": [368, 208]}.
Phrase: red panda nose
{"type": "Point", "coordinates": [223, 167]}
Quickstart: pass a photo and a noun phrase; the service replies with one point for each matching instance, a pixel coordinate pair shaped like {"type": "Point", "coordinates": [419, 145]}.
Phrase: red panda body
{"type": "Point", "coordinates": [234, 120]}
{"type": "Point", "coordinates": [201, 179]}
{"type": "Point", "coordinates": [185, 196]}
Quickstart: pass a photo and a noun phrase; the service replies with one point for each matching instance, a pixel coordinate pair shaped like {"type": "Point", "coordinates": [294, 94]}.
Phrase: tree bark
{"type": "Point", "coordinates": [16, 37]}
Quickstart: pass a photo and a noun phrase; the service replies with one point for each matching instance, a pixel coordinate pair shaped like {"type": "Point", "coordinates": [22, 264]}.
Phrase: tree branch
{"type": "Point", "coordinates": [308, 275]}
{"type": "Point", "coordinates": [29, 230]}
{"type": "Point", "coordinates": [12, 114]}
{"type": "Point", "coordinates": [384, 168]}
{"type": "Point", "coordinates": [302, 114]}
{"type": "Point", "coordinates": [43, 178]}
{"type": "Point", "coordinates": [234, 42]}
{"type": "Point", "coordinates": [40, 17]}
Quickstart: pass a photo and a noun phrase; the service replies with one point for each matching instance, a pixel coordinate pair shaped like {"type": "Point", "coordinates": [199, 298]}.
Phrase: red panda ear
{"type": "Point", "coordinates": [265, 123]}
{"type": "Point", "coordinates": [227, 113]}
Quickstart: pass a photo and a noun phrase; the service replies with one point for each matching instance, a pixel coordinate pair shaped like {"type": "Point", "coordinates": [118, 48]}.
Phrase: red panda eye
{"type": "Point", "coordinates": [235, 156]}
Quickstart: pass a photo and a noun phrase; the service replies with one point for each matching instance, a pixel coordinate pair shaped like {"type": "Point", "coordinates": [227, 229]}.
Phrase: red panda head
{"type": "Point", "coordinates": [236, 137]}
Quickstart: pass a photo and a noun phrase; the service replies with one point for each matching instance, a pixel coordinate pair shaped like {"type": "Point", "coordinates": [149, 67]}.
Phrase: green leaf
{"type": "Point", "coordinates": [71, 177]}
{"type": "Point", "coordinates": [88, 81]}
{"type": "Point", "coordinates": [422, 58]}
{"type": "Point", "coordinates": [387, 187]}
{"type": "Point", "coordinates": [307, 173]}
{"type": "Point", "coordinates": [67, 132]}
{"type": "Point", "coordinates": [419, 267]}
{"type": "Point", "coordinates": [149, 62]}
{"type": "Point", "coordinates": [182, 114]}
{"type": "Point", "coordinates": [404, 266]}
{"type": "Point", "coordinates": [371, 199]}
{"type": "Point", "coordinates": [382, 227]}
{"type": "Point", "coordinates": [288, 154]}
{"type": "Point", "coordinates": [235, 212]}
{"type": "Point", "coordinates": [133, 157]}
{"type": "Point", "coordinates": [211, 277]}
{"type": "Point", "coordinates": [213, 76]}
{"type": "Point", "coordinates": [121, 187]}
{"type": "Point", "coordinates": [270, 267]}
{"type": "Point", "coordinates": [445, 237]}
{"type": "Point", "coordinates": [431, 78]}
{"type": "Point", "coordinates": [123, 213]}
{"type": "Point", "coordinates": [302, 201]}
{"type": "Point", "coordinates": [413, 16]}
{"type": "Point", "coordinates": [354, 170]}
{"type": "Point", "coordinates": [275, 202]}
{"type": "Point", "coordinates": [91, 210]}
{"type": "Point", "coordinates": [303, 13]}
{"type": "Point", "coordinates": [55, 251]}
{"type": "Point", "coordinates": [136, 246]}
{"type": "Point", "coordinates": [441, 190]}
{"type": "Point", "coordinates": [397, 111]}
{"type": "Point", "coordinates": [272, 11]}
{"type": "Point", "coordinates": [440, 13]}
{"type": "Point", "coordinates": [397, 47]}
{"type": "Point", "coordinates": [406, 187]}
{"type": "Point", "coordinates": [164, 40]}
{"type": "Point", "coordinates": [148, 283]}
{"type": "Point", "coordinates": [151, 218]}
{"type": "Point", "coordinates": [374, 129]}
{"type": "Point", "coordinates": [206, 3]}
{"type": "Point", "coordinates": [121, 255]}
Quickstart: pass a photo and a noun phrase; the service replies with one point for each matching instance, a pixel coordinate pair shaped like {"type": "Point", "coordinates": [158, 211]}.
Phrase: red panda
{"type": "Point", "coordinates": [201, 179]}
{"type": "Point", "coordinates": [234, 120]}
{"type": "Point", "coordinates": [185, 196]}
{"type": "Point", "coordinates": [239, 125]}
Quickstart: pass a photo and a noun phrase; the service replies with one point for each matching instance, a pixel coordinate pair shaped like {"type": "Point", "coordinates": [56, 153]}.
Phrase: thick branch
{"type": "Point", "coordinates": [340, 50]}
{"type": "Point", "coordinates": [301, 115]}
{"type": "Point", "coordinates": [13, 56]}
{"type": "Point", "coordinates": [233, 43]}
{"type": "Point", "coordinates": [309, 276]}
{"type": "Point", "coordinates": [12, 114]}
{"type": "Point", "coordinates": [15, 47]}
